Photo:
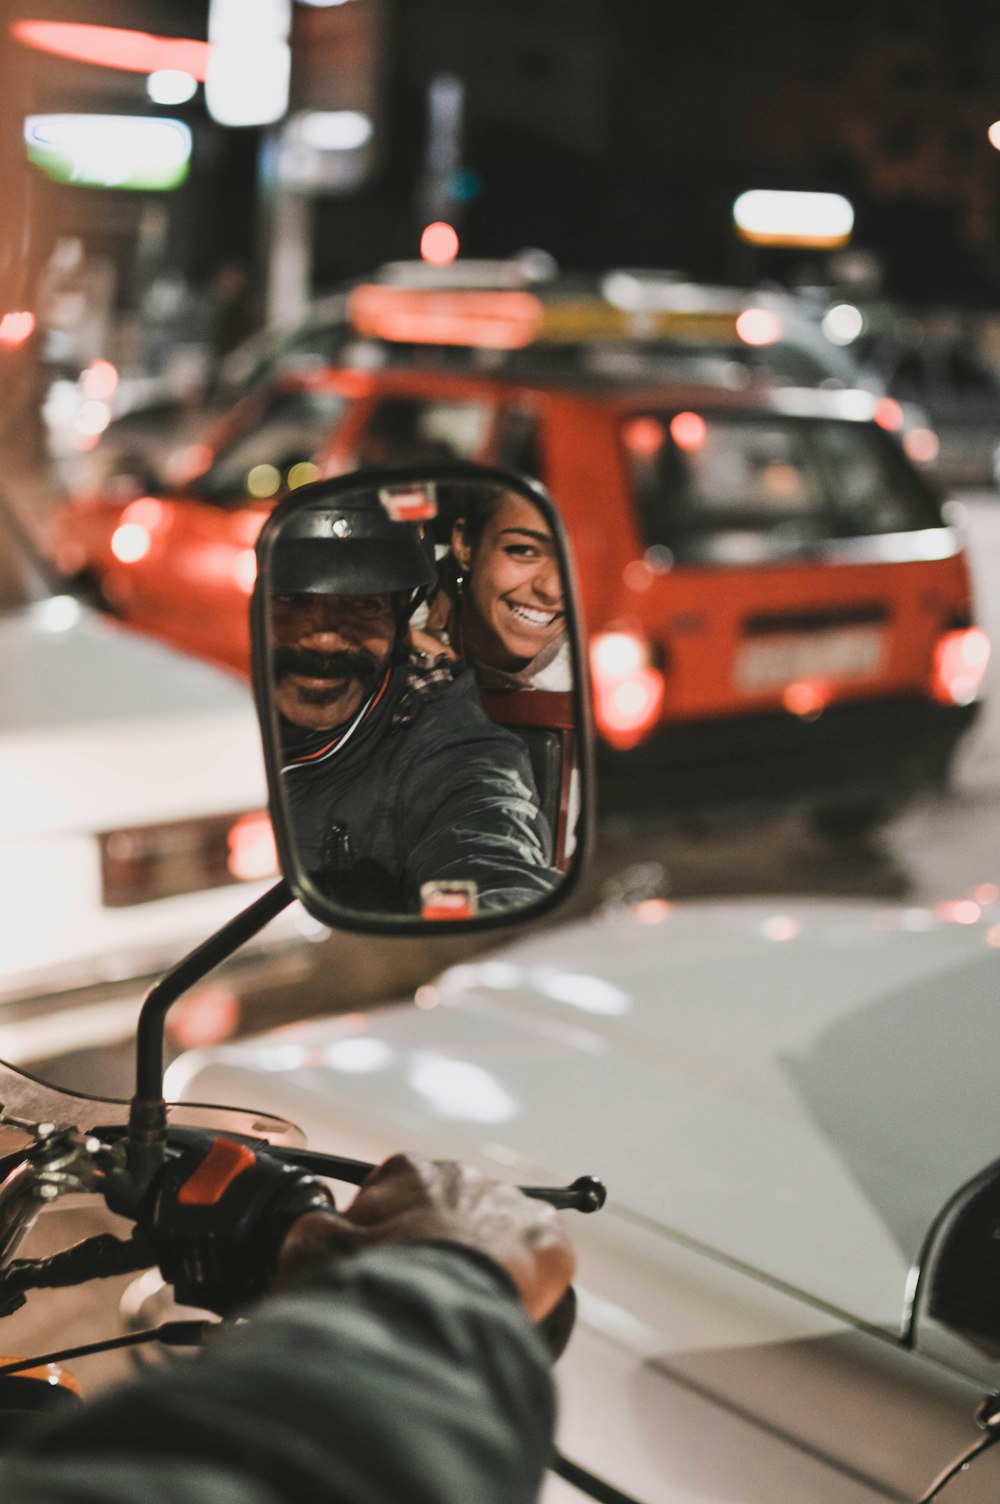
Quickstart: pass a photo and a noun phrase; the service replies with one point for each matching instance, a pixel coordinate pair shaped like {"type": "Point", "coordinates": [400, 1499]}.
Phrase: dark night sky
{"type": "Point", "coordinates": [620, 131]}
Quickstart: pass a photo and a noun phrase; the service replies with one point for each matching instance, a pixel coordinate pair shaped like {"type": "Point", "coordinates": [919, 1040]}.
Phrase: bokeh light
{"type": "Point", "coordinates": [922, 445]}
{"type": "Point", "coordinates": [889, 414]}
{"type": "Point", "coordinates": [171, 86]}
{"type": "Point", "coordinates": [15, 328]}
{"type": "Point", "coordinates": [843, 323]}
{"type": "Point", "coordinates": [130, 542]}
{"type": "Point", "coordinates": [302, 473]}
{"type": "Point", "coordinates": [688, 431]}
{"type": "Point", "coordinates": [439, 243]}
{"type": "Point", "coordinates": [99, 381]}
{"type": "Point", "coordinates": [644, 436]}
{"type": "Point", "coordinates": [263, 480]}
{"type": "Point", "coordinates": [758, 326]}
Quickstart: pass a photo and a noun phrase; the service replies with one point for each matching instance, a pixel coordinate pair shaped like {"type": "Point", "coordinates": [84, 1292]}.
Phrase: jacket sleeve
{"type": "Point", "coordinates": [473, 814]}
{"type": "Point", "coordinates": [407, 1373]}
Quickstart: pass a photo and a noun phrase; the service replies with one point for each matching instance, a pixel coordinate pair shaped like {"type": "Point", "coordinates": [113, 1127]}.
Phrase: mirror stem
{"type": "Point", "coordinates": [148, 1113]}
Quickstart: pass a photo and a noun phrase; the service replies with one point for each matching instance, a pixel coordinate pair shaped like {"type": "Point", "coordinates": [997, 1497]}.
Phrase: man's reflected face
{"type": "Point", "coordinates": [329, 653]}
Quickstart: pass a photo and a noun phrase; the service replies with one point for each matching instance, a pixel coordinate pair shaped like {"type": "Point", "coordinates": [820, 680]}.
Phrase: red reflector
{"type": "Point", "coordinates": [960, 660]}
{"type": "Point", "coordinates": [415, 505]}
{"type": "Point", "coordinates": [443, 900]}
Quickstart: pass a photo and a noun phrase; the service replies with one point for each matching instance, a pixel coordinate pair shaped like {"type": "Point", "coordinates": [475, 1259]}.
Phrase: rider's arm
{"type": "Point", "coordinates": [473, 813]}
{"type": "Point", "coordinates": [404, 1369]}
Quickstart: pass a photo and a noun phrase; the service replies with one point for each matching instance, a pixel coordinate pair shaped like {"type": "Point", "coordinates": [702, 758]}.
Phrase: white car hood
{"type": "Point", "coordinates": [101, 728]}
{"type": "Point", "coordinates": [797, 1087]}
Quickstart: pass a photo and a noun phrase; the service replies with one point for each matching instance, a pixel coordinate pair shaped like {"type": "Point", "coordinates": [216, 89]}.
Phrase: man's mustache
{"type": "Point", "coordinates": [349, 663]}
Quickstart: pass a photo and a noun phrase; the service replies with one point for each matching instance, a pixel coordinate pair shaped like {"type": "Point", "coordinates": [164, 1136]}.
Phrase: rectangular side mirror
{"type": "Point", "coordinates": [422, 695]}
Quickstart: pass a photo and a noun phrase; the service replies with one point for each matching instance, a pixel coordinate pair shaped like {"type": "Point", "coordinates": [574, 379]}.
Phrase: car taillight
{"type": "Point", "coordinates": [921, 445]}
{"type": "Point", "coordinates": [960, 660]}
{"type": "Point", "coordinates": [252, 852]}
{"type": "Point", "coordinates": [628, 691]}
{"type": "Point", "coordinates": [148, 862]}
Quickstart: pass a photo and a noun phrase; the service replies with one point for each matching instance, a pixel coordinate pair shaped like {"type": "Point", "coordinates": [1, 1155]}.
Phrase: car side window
{"type": "Point", "coordinates": [873, 489]}
{"type": "Point", "coordinates": [712, 488]}
{"type": "Point", "coordinates": [729, 489]}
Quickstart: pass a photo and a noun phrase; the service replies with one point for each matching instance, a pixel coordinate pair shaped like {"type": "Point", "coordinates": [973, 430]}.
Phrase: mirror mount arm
{"type": "Point", "coordinates": [148, 1113]}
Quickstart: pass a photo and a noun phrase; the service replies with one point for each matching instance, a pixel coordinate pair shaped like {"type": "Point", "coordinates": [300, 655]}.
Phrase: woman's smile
{"type": "Point", "coordinates": [532, 616]}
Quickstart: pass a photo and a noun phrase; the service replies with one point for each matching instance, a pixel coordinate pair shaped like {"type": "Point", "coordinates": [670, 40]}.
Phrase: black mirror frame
{"type": "Point", "coordinates": [319, 905]}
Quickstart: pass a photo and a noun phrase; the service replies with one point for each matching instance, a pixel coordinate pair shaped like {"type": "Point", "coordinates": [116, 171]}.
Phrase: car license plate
{"type": "Point", "coordinates": [772, 662]}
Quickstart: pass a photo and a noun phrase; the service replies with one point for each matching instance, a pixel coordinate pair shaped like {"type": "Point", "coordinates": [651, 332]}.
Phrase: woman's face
{"type": "Point", "coordinates": [514, 600]}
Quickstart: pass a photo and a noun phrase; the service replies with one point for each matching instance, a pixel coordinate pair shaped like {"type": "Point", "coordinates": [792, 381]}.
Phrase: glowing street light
{"type": "Point", "coordinates": [250, 62]}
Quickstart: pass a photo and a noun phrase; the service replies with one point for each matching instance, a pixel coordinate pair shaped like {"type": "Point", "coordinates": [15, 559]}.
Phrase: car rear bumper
{"type": "Point", "coordinates": [861, 751]}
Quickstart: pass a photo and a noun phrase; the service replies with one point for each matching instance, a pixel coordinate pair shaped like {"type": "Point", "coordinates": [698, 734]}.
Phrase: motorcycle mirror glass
{"type": "Point", "coordinates": [421, 691]}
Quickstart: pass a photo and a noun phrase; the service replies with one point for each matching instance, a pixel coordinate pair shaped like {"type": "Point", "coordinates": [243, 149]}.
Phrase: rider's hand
{"type": "Point", "coordinates": [430, 645]}
{"type": "Point", "coordinates": [410, 1199]}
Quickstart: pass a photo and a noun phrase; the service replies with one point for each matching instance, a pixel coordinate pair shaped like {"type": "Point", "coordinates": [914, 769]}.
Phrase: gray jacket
{"type": "Point", "coordinates": [407, 1373]}
{"type": "Point", "coordinates": [424, 788]}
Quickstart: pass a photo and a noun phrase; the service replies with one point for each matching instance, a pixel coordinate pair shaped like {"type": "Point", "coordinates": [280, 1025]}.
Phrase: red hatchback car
{"type": "Point", "coordinates": [778, 612]}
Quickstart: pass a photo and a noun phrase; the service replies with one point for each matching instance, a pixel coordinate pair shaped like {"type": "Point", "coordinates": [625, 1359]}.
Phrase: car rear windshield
{"type": "Point", "coordinates": [732, 488]}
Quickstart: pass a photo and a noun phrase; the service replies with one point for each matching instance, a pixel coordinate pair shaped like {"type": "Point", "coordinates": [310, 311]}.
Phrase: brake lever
{"type": "Point", "coordinates": [586, 1194]}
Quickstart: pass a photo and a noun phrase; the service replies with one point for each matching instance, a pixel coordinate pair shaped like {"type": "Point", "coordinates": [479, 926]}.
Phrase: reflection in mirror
{"type": "Point", "coordinates": [418, 687]}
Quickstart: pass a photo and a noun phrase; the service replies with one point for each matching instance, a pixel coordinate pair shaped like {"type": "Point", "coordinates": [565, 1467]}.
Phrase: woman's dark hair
{"type": "Point", "coordinates": [472, 505]}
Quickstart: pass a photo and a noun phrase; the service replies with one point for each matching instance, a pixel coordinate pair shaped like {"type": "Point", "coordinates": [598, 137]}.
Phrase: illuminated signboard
{"type": "Point", "coordinates": [109, 151]}
{"type": "Point", "coordinates": [774, 217]}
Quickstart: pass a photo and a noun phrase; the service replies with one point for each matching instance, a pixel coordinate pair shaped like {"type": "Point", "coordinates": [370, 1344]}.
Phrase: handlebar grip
{"type": "Point", "coordinates": [586, 1194]}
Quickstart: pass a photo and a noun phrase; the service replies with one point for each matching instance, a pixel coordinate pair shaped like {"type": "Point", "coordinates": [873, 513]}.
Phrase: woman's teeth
{"type": "Point", "coordinates": [532, 617]}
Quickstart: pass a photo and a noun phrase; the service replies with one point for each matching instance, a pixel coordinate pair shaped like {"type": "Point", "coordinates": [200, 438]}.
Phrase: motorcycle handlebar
{"type": "Point", "coordinates": [585, 1194]}
{"type": "Point", "coordinates": [99, 1257]}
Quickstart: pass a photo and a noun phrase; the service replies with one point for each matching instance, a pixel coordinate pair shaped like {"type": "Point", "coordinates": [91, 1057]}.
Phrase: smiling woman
{"type": "Point", "coordinates": [500, 606]}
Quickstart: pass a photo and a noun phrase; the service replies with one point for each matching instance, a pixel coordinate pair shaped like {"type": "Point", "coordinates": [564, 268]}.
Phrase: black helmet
{"type": "Point", "coordinates": [356, 544]}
